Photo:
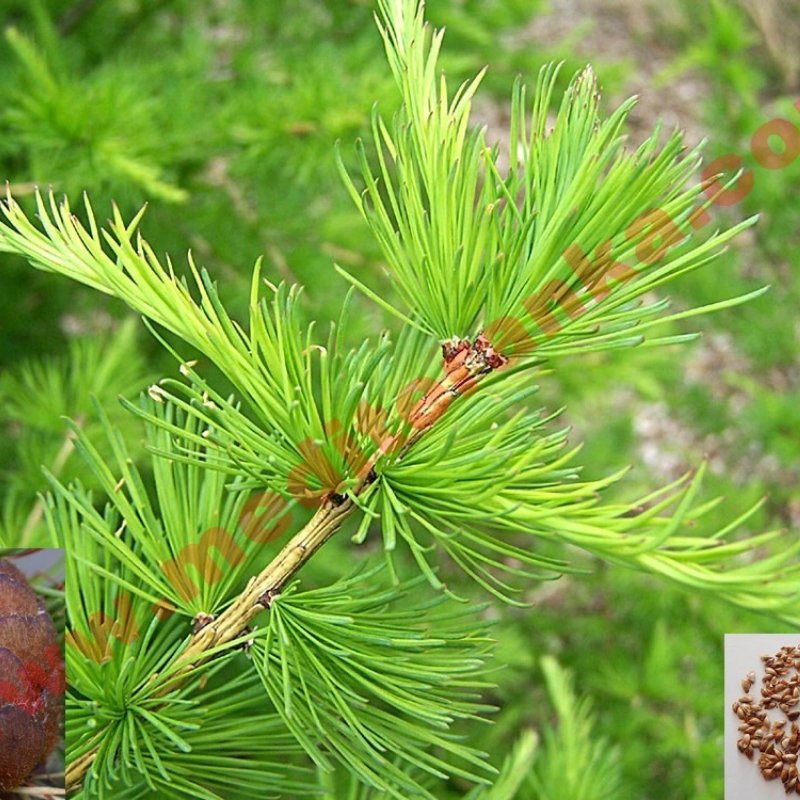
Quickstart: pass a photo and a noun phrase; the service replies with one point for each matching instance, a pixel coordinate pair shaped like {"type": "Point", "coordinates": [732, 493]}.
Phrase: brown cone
{"type": "Point", "coordinates": [31, 673]}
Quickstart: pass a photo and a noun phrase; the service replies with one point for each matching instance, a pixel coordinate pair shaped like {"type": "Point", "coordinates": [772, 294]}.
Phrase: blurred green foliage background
{"type": "Point", "coordinates": [223, 116]}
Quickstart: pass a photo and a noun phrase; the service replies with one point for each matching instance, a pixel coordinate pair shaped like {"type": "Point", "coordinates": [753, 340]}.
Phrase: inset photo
{"type": "Point", "coordinates": [762, 715]}
{"type": "Point", "coordinates": [31, 674]}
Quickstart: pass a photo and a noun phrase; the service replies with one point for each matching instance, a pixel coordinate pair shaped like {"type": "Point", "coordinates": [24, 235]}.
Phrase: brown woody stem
{"type": "Point", "coordinates": [267, 585]}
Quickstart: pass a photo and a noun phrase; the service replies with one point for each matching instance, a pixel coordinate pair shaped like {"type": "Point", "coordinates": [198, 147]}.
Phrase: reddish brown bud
{"type": "Point", "coordinates": [452, 347]}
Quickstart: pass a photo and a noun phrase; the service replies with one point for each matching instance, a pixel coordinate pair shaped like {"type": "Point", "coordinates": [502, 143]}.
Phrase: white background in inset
{"type": "Point", "coordinates": [743, 651]}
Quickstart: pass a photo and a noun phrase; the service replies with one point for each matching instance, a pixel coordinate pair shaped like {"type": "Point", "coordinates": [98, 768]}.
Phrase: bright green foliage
{"type": "Point", "coordinates": [513, 772]}
{"type": "Point", "coordinates": [36, 397]}
{"type": "Point", "coordinates": [106, 130]}
{"type": "Point", "coordinates": [390, 663]}
{"type": "Point", "coordinates": [434, 242]}
{"type": "Point", "coordinates": [117, 642]}
{"type": "Point", "coordinates": [271, 362]}
{"type": "Point", "coordinates": [468, 246]}
{"type": "Point", "coordinates": [376, 679]}
{"type": "Point", "coordinates": [271, 365]}
{"type": "Point", "coordinates": [473, 486]}
{"type": "Point", "coordinates": [193, 540]}
{"type": "Point", "coordinates": [572, 761]}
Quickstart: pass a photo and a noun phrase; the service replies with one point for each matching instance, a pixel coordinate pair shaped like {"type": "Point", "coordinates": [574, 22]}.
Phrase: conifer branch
{"type": "Point", "coordinates": [464, 366]}
{"type": "Point", "coordinates": [254, 599]}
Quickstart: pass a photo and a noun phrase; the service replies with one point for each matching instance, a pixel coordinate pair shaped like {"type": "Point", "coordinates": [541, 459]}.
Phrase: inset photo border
{"type": "Point", "coordinates": [32, 673]}
{"type": "Point", "coordinates": [762, 715]}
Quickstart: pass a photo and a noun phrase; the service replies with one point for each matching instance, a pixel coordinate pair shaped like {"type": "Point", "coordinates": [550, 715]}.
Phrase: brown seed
{"type": "Point", "coordinates": [778, 748]}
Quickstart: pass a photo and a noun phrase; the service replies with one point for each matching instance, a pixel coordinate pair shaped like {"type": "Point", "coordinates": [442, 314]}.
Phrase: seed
{"type": "Point", "coordinates": [778, 749]}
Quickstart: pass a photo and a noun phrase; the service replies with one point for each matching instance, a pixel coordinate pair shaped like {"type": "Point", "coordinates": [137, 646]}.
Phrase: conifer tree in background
{"type": "Point", "coordinates": [199, 665]}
